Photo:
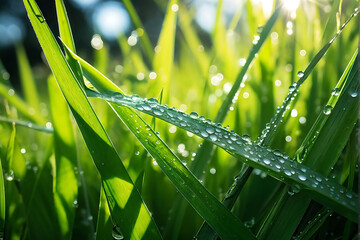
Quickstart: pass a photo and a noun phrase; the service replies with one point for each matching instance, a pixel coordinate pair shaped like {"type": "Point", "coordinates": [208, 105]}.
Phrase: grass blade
{"type": "Point", "coordinates": [20, 105]}
{"type": "Point", "coordinates": [164, 57]}
{"type": "Point", "coordinates": [66, 183]}
{"type": "Point", "coordinates": [31, 125]}
{"type": "Point", "coordinates": [27, 79]}
{"type": "Point", "coordinates": [254, 155]}
{"type": "Point", "coordinates": [144, 38]}
{"type": "Point", "coordinates": [128, 210]}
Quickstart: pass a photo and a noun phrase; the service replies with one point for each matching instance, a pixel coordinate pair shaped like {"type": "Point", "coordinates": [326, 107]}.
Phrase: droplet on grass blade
{"type": "Point", "coordinates": [327, 109]}
{"type": "Point", "coordinates": [116, 233]}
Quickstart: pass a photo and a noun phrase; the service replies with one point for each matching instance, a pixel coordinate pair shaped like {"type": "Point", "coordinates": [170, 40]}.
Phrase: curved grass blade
{"type": "Point", "coordinates": [219, 218]}
{"type": "Point", "coordinates": [273, 162]}
{"type": "Point", "coordinates": [125, 202]}
{"type": "Point", "coordinates": [31, 125]}
{"type": "Point", "coordinates": [65, 183]}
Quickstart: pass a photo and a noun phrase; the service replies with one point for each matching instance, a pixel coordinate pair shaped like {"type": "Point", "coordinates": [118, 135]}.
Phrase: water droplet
{"type": "Point", "coordinates": [327, 109]}
{"type": "Point", "coordinates": [194, 115]}
{"type": "Point", "coordinates": [116, 233]}
{"type": "Point", "coordinates": [302, 177]}
{"type": "Point", "coordinates": [335, 91]}
{"type": "Point", "coordinates": [287, 172]}
{"type": "Point", "coordinates": [266, 161]}
{"type": "Point", "coordinates": [250, 223]}
{"type": "Point", "coordinates": [300, 74]}
{"type": "Point", "coordinates": [204, 134]}
{"type": "Point", "coordinates": [9, 176]}
{"type": "Point", "coordinates": [210, 130]}
{"type": "Point", "coordinates": [354, 94]}
{"type": "Point", "coordinates": [75, 204]}
{"type": "Point", "coordinates": [212, 170]}
{"type": "Point", "coordinates": [246, 138]}
{"type": "Point", "coordinates": [213, 137]}
{"type": "Point", "coordinates": [157, 112]}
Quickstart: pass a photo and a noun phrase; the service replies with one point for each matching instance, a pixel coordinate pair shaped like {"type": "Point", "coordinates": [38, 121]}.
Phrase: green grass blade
{"type": "Point", "coordinates": [203, 202]}
{"type": "Point", "coordinates": [254, 50]}
{"type": "Point", "coordinates": [64, 25]}
{"type": "Point", "coordinates": [164, 57]}
{"type": "Point", "coordinates": [104, 225]}
{"type": "Point", "coordinates": [144, 38]}
{"type": "Point", "coordinates": [20, 105]}
{"type": "Point", "coordinates": [254, 155]}
{"type": "Point", "coordinates": [27, 124]}
{"type": "Point", "coordinates": [65, 183]}
{"type": "Point", "coordinates": [314, 224]}
{"type": "Point", "coordinates": [27, 79]}
{"type": "Point", "coordinates": [128, 210]}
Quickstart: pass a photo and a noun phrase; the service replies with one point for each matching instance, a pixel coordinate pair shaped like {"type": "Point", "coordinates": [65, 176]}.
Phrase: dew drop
{"type": "Point", "coordinates": [194, 115]}
{"type": "Point", "coordinates": [213, 137]}
{"type": "Point", "coordinates": [354, 94]}
{"type": "Point", "coordinates": [266, 161]}
{"type": "Point", "coordinates": [302, 177]}
{"type": "Point", "coordinates": [246, 138]}
{"type": "Point", "coordinates": [210, 130]}
{"type": "Point", "coordinates": [287, 172]}
{"type": "Point", "coordinates": [9, 176]}
{"type": "Point", "coordinates": [327, 109]}
{"type": "Point", "coordinates": [116, 233]}
{"type": "Point", "coordinates": [157, 112]}
{"type": "Point", "coordinates": [204, 134]}
{"type": "Point", "coordinates": [300, 74]}
{"type": "Point", "coordinates": [335, 91]}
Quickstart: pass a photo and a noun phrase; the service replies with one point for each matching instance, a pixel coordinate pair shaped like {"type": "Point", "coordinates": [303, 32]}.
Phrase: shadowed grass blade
{"type": "Point", "coordinates": [128, 210]}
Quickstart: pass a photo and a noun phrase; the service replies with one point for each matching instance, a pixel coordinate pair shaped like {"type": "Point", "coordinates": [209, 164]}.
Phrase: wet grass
{"type": "Point", "coordinates": [255, 147]}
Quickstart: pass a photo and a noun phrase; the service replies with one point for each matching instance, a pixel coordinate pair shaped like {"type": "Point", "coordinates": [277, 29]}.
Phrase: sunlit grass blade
{"type": "Point", "coordinates": [203, 202]}
{"type": "Point", "coordinates": [164, 57]}
{"type": "Point", "coordinates": [272, 162]}
{"type": "Point", "coordinates": [128, 210]}
{"type": "Point", "coordinates": [20, 105]}
{"type": "Point", "coordinates": [27, 79]}
{"type": "Point", "coordinates": [144, 38]}
{"type": "Point", "coordinates": [65, 183]}
{"type": "Point", "coordinates": [31, 125]}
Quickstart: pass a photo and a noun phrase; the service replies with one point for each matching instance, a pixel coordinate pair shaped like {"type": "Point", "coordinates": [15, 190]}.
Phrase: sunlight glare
{"type": "Point", "coordinates": [291, 5]}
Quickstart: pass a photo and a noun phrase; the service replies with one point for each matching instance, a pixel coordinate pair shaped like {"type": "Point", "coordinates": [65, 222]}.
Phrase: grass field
{"type": "Point", "coordinates": [249, 131]}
